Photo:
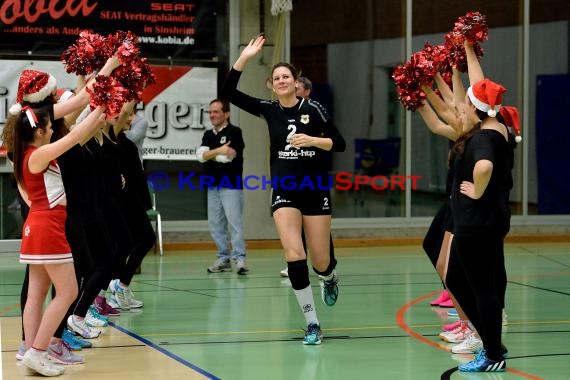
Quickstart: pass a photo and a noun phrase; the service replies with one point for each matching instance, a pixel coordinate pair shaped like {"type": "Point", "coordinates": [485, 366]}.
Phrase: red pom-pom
{"type": "Point", "coordinates": [471, 27]}
{"type": "Point", "coordinates": [456, 54]}
{"type": "Point", "coordinates": [87, 55]}
{"type": "Point", "coordinates": [109, 93]}
{"type": "Point", "coordinates": [411, 95]}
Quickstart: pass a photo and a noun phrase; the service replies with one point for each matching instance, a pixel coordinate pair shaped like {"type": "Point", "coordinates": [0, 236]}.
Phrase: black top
{"type": "Point", "coordinates": [110, 166]}
{"type": "Point", "coordinates": [491, 212]}
{"type": "Point", "coordinates": [80, 180]}
{"type": "Point", "coordinates": [131, 169]}
{"type": "Point", "coordinates": [230, 172]}
{"type": "Point", "coordinates": [307, 117]}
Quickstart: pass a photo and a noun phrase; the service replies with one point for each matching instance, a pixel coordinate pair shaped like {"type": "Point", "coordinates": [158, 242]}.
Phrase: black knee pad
{"type": "Point", "coordinates": [330, 268]}
{"type": "Point", "coordinates": [298, 274]}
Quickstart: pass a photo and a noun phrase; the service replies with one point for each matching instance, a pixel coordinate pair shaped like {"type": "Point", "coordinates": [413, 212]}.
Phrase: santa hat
{"type": "Point", "coordinates": [487, 96]}
{"type": "Point", "coordinates": [33, 87]}
{"type": "Point", "coordinates": [512, 120]}
{"type": "Point", "coordinates": [63, 95]}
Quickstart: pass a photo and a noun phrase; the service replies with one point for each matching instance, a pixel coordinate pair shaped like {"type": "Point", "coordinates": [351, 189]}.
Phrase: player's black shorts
{"type": "Point", "coordinates": [309, 202]}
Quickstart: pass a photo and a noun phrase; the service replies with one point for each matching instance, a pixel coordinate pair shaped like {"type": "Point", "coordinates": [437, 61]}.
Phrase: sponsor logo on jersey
{"type": "Point", "coordinates": [295, 154]}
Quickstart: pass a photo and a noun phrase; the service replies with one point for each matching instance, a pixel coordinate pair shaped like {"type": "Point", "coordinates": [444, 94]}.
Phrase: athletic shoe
{"type": "Point", "coordinates": [21, 351]}
{"type": "Point", "coordinates": [284, 272]}
{"type": "Point", "coordinates": [241, 267]}
{"type": "Point", "coordinates": [93, 319]}
{"type": "Point", "coordinates": [452, 313]}
{"type": "Point", "coordinates": [59, 352]}
{"type": "Point", "coordinates": [451, 326]}
{"type": "Point", "coordinates": [38, 361]}
{"type": "Point", "coordinates": [458, 335]}
{"type": "Point", "coordinates": [122, 297]}
{"type": "Point", "coordinates": [220, 265]}
{"type": "Point", "coordinates": [443, 296]}
{"type": "Point", "coordinates": [483, 364]}
{"type": "Point", "coordinates": [113, 285]}
{"type": "Point", "coordinates": [447, 304]}
{"type": "Point", "coordinates": [73, 342]}
{"type": "Point", "coordinates": [79, 326]}
{"type": "Point", "coordinates": [329, 289]}
{"type": "Point", "coordinates": [111, 301]}
{"type": "Point", "coordinates": [135, 304]}
{"type": "Point", "coordinates": [313, 335]}
{"type": "Point", "coordinates": [471, 345]}
{"type": "Point", "coordinates": [505, 320]}
{"type": "Point", "coordinates": [103, 308]}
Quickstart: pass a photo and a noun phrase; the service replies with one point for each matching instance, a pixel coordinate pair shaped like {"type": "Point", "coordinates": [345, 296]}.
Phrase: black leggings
{"type": "Point", "coordinates": [477, 278]}
{"type": "Point", "coordinates": [143, 239]}
{"type": "Point", "coordinates": [94, 239]}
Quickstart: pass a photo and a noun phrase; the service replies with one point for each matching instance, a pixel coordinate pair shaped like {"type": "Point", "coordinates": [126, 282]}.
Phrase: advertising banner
{"type": "Point", "coordinates": [175, 107]}
{"type": "Point", "coordinates": [184, 29]}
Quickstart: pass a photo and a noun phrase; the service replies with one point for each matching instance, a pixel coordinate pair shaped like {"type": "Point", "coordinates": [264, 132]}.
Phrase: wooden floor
{"type": "Point", "coordinates": [196, 325]}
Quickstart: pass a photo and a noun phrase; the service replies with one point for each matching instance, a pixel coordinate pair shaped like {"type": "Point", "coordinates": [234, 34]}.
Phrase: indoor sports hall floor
{"type": "Point", "coordinates": [196, 325]}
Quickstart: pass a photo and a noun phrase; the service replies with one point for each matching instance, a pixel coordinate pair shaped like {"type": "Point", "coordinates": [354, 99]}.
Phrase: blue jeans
{"type": "Point", "coordinates": [225, 219]}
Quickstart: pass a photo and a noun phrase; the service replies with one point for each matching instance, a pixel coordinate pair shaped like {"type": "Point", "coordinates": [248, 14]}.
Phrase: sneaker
{"type": "Point", "coordinates": [93, 319]}
{"type": "Point", "coordinates": [458, 335]}
{"type": "Point", "coordinates": [122, 297]}
{"type": "Point", "coordinates": [21, 351]}
{"type": "Point", "coordinates": [58, 352]}
{"type": "Point", "coordinates": [79, 326]}
{"type": "Point", "coordinates": [329, 289]}
{"type": "Point", "coordinates": [451, 326]}
{"type": "Point", "coordinates": [471, 345]}
{"type": "Point", "coordinates": [113, 285]}
{"type": "Point", "coordinates": [220, 265]}
{"type": "Point", "coordinates": [241, 267]}
{"type": "Point", "coordinates": [483, 364]}
{"type": "Point", "coordinates": [73, 342]}
{"type": "Point", "coordinates": [452, 313]}
{"type": "Point", "coordinates": [313, 335]}
{"type": "Point", "coordinates": [284, 272]}
{"type": "Point", "coordinates": [444, 296]}
{"type": "Point", "coordinates": [447, 304]}
{"type": "Point", "coordinates": [135, 304]}
{"type": "Point", "coordinates": [505, 320]}
{"type": "Point", "coordinates": [112, 303]}
{"type": "Point", "coordinates": [103, 308]}
{"type": "Point", "coordinates": [38, 361]}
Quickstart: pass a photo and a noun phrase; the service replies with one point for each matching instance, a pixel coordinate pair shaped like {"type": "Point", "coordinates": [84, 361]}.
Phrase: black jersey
{"type": "Point", "coordinates": [80, 182]}
{"type": "Point", "coordinates": [307, 117]}
{"type": "Point", "coordinates": [225, 173]}
{"type": "Point", "coordinates": [131, 169]}
{"type": "Point", "coordinates": [491, 212]}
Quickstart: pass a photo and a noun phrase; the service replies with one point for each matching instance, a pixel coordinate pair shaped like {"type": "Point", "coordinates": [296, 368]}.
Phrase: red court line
{"type": "Point", "coordinates": [400, 319]}
{"type": "Point", "coordinates": [8, 308]}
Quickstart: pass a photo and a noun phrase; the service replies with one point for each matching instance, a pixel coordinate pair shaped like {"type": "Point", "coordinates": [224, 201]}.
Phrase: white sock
{"type": "Point", "coordinates": [330, 276]}
{"type": "Point", "coordinates": [307, 303]}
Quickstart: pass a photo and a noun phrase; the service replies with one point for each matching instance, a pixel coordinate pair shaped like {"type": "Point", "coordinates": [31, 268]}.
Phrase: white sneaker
{"type": "Point", "coordinates": [470, 345]}
{"type": "Point", "coordinates": [241, 267]}
{"type": "Point", "coordinates": [79, 326]}
{"type": "Point", "coordinates": [135, 304]}
{"type": "Point", "coordinates": [21, 351]}
{"type": "Point", "coordinates": [458, 335]}
{"type": "Point", "coordinates": [111, 302]}
{"type": "Point", "coordinates": [122, 297]}
{"type": "Point", "coordinates": [284, 272]}
{"type": "Point", "coordinates": [93, 321]}
{"type": "Point", "coordinates": [112, 286]}
{"type": "Point", "coordinates": [39, 362]}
